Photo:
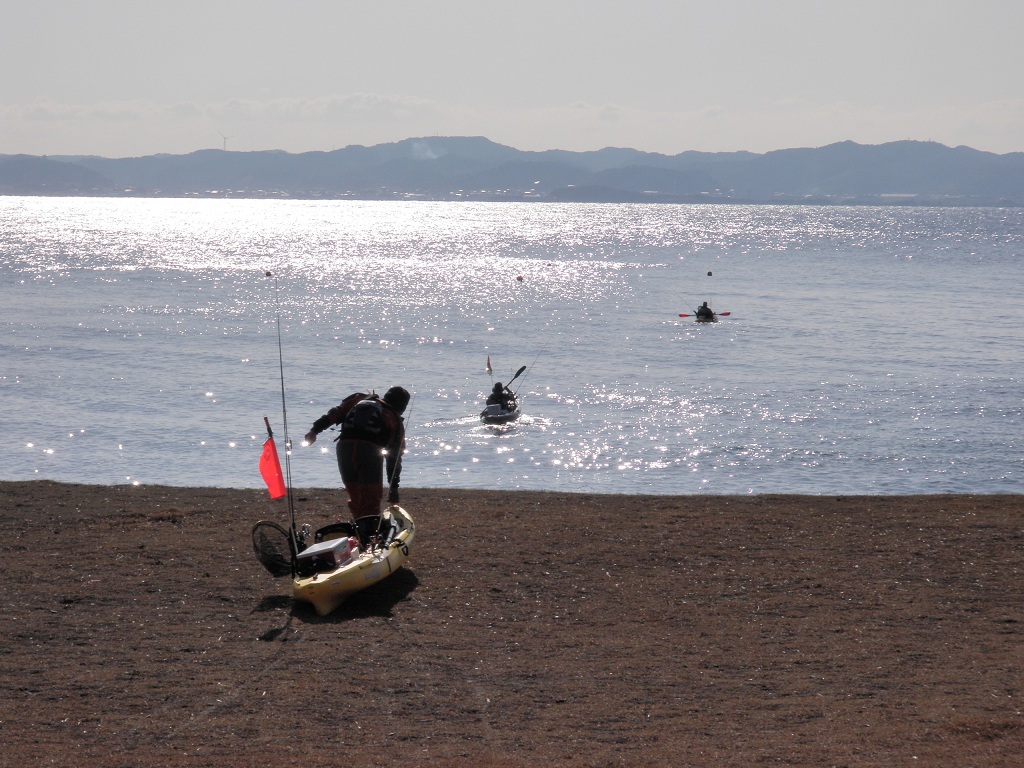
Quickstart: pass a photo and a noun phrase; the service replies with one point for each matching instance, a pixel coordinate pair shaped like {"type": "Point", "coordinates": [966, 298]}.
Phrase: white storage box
{"type": "Point", "coordinates": [329, 554]}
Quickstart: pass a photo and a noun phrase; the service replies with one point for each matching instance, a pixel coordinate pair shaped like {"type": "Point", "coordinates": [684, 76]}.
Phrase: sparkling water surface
{"type": "Point", "coordinates": [868, 350]}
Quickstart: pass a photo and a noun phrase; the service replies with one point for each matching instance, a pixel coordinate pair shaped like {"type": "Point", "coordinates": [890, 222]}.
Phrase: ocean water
{"type": "Point", "coordinates": [867, 350]}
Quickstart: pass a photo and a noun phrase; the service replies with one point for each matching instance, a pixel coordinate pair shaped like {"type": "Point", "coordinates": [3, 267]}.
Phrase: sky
{"type": "Point", "coordinates": [126, 78]}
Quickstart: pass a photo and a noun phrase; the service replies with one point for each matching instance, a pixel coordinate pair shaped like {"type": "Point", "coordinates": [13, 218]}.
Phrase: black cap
{"type": "Point", "coordinates": [398, 398]}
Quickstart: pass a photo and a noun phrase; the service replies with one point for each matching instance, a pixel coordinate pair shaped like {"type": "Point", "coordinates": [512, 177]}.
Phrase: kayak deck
{"type": "Point", "coordinates": [327, 590]}
{"type": "Point", "coordinates": [495, 414]}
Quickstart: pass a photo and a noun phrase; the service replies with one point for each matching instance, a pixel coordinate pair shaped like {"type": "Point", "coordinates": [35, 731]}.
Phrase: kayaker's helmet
{"type": "Point", "coordinates": [397, 398]}
{"type": "Point", "coordinates": [498, 388]}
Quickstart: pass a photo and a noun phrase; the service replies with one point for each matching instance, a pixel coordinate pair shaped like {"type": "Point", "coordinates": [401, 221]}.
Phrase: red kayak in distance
{"type": "Point", "coordinates": [713, 319]}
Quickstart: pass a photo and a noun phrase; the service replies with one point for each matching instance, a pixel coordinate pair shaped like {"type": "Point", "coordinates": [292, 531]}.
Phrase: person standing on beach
{"type": "Point", "coordinates": [372, 438]}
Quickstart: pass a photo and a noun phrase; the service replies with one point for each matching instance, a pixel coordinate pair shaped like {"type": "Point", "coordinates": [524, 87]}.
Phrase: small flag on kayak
{"type": "Point", "coordinates": [270, 468]}
{"type": "Point", "coordinates": [489, 364]}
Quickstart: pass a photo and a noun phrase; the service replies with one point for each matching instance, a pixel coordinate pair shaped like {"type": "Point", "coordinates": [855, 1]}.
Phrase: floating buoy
{"type": "Point", "coordinates": [520, 278]}
{"type": "Point", "coordinates": [709, 274]}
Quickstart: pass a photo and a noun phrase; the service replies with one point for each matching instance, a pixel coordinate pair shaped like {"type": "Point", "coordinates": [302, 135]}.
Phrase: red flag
{"type": "Point", "coordinates": [489, 364]}
{"type": "Point", "coordinates": [270, 468]}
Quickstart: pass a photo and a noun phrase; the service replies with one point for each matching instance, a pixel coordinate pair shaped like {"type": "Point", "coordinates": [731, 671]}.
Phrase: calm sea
{"type": "Point", "coordinates": [867, 350]}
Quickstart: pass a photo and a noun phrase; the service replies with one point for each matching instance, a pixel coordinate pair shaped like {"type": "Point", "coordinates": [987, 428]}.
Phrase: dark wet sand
{"type": "Point", "coordinates": [527, 628]}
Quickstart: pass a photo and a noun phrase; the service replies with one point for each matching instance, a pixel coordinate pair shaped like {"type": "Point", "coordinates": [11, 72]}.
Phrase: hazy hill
{"type": "Point", "coordinates": [28, 175]}
{"type": "Point", "coordinates": [444, 168]}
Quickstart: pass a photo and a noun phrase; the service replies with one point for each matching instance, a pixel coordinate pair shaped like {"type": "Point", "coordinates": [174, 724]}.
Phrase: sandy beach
{"type": "Point", "coordinates": [579, 630]}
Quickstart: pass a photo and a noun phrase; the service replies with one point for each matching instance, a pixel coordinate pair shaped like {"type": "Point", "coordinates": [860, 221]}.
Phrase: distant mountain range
{"type": "Point", "coordinates": [475, 168]}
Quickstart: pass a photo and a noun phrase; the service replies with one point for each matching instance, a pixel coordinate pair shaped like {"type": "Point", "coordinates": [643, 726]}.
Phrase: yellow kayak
{"type": "Point", "coordinates": [329, 587]}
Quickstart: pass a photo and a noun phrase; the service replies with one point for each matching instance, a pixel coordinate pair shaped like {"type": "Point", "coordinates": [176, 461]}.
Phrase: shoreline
{"type": "Point", "coordinates": [339, 488]}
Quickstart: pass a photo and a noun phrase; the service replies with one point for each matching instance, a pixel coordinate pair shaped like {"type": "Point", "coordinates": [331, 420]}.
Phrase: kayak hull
{"type": "Point", "coordinates": [327, 591]}
{"type": "Point", "coordinates": [502, 417]}
{"type": "Point", "coordinates": [495, 414]}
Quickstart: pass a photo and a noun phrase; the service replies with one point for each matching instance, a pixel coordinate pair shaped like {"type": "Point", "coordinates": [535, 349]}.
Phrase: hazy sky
{"type": "Point", "coordinates": [124, 78]}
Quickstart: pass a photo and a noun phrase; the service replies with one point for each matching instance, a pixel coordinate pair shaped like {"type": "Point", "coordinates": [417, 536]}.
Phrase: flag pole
{"type": "Point", "coordinates": [284, 416]}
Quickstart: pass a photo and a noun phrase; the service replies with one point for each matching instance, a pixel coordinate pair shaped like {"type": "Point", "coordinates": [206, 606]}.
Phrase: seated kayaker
{"type": "Point", "coordinates": [501, 396]}
{"type": "Point", "coordinates": [704, 312]}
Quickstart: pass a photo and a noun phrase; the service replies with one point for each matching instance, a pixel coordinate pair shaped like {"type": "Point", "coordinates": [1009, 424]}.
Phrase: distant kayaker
{"type": "Point", "coordinates": [500, 395]}
{"type": "Point", "coordinates": [704, 312]}
{"type": "Point", "coordinates": [372, 438]}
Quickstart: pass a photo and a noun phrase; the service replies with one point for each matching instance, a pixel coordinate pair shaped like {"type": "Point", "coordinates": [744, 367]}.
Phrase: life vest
{"type": "Point", "coordinates": [364, 420]}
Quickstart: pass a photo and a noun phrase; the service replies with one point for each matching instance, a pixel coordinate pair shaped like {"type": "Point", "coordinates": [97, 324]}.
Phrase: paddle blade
{"type": "Point", "coordinates": [518, 373]}
{"type": "Point", "coordinates": [724, 314]}
{"type": "Point", "coordinates": [684, 315]}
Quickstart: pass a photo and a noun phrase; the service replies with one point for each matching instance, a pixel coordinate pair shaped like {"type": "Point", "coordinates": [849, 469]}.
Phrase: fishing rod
{"type": "Point", "coordinates": [709, 301]}
{"type": "Point", "coordinates": [284, 415]}
{"type": "Point", "coordinates": [524, 368]}
{"type": "Point", "coordinates": [696, 312]}
{"type": "Point", "coordinates": [393, 479]}
{"type": "Point", "coordinates": [404, 419]}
